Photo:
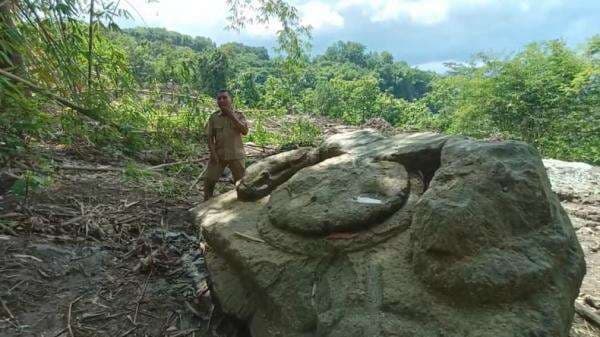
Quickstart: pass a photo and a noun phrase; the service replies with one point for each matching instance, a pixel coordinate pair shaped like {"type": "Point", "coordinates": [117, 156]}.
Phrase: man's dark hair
{"type": "Point", "coordinates": [222, 91]}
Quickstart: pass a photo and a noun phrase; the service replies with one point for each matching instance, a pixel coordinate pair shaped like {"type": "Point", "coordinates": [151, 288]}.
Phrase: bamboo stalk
{"type": "Point", "coordinates": [90, 45]}
{"type": "Point", "coordinates": [48, 94]}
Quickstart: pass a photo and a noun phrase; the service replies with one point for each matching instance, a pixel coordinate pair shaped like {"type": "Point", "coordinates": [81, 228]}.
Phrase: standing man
{"type": "Point", "coordinates": [224, 129]}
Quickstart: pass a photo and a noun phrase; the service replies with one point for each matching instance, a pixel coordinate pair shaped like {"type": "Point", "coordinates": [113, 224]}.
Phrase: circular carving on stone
{"type": "Point", "coordinates": [344, 241]}
{"type": "Point", "coordinates": [340, 194]}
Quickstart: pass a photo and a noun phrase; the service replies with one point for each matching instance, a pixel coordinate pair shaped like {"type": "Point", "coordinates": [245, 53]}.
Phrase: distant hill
{"type": "Point", "coordinates": [197, 43]}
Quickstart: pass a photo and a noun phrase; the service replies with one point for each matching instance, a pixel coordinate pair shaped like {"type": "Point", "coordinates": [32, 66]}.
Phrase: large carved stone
{"type": "Point", "coordinates": [411, 235]}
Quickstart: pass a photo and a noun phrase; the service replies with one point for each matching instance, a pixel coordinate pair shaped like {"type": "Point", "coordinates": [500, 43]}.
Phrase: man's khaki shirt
{"type": "Point", "coordinates": [228, 139]}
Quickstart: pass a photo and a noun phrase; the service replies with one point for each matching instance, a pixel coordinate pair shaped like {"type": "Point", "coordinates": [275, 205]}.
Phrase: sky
{"type": "Point", "coordinates": [424, 33]}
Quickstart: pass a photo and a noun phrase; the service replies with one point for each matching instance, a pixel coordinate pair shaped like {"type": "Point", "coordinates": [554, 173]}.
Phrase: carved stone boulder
{"type": "Point", "coordinates": [411, 235]}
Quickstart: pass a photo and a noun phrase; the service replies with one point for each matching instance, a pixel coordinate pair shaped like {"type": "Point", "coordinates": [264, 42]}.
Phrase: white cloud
{"type": "Point", "coordinates": [263, 30]}
{"type": "Point", "coordinates": [202, 16]}
{"type": "Point", "coordinates": [423, 11]}
{"type": "Point", "coordinates": [430, 12]}
{"type": "Point", "coordinates": [175, 14]}
{"type": "Point", "coordinates": [320, 15]}
{"type": "Point", "coordinates": [317, 14]}
{"type": "Point", "coordinates": [418, 11]}
{"type": "Point", "coordinates": [196, 17]}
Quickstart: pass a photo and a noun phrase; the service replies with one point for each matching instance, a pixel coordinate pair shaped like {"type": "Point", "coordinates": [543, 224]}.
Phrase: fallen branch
{"type": "Point", "coordinates": [131, 204]}
{"type": "Point", "coordinates": [587, 313]}
{"type": "Point", "coordinates": [24, 256]}
{"type": "Point", "coordinates": [69, 315]}
{"type": "Point", "coordinates": [93, 316]}
{"type": "Point", "coordinates": [8, 229]}
{"type": "Point", "coordinates": [73, 220]}
{"type": "Point", "coordinates": [14, 287]}
{"type": "Point", "coordinates": [185, 332]}
{"type": "Point", "coordinates": [128, 331]}
{"type": "Point", "coordinates": [61, 332]}
{"type": "Point", "coordinates": [152, 168]}
{"type": "Point", "coordinates": [10, 314]}
{"type": "Point", "coordinates": [261, 147]}
{"type": "Point", "coordinates": [89, 168]}
{"type": "Point", "coordinates": [11, 215]}
{"type": "Point", "coordinates": [196, 181]}
{"type": "Point", "coordinates": [137, 306]}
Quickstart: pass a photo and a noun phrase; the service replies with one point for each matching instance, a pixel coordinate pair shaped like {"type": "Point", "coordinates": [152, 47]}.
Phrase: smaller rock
{"type": "Point", "coordinates": [263, 177]}
{"type": "Point", "coordinates": [574, 181]}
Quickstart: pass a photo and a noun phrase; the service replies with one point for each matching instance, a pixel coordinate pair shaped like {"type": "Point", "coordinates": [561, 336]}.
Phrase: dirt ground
{"type": "Point", "coordinates": [96, 254]}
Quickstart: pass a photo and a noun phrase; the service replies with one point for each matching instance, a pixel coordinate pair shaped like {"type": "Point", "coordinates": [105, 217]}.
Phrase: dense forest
{"type": "Point", "coordinates": [125, 91]}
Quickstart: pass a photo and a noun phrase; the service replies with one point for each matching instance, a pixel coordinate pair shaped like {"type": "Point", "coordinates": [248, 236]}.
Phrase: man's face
{"type": "Point", "coordinates": [223, 100]}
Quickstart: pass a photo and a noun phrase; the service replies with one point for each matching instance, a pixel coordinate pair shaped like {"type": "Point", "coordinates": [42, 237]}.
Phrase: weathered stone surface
{"type": "Point", "coordinates": [339, 194]}
{"type": "Point", "coordinates": [357, 143]}
{"type": "Point", "coordinates": [365, 242]}
{"type": "Point", "coordinates": [489, 229]}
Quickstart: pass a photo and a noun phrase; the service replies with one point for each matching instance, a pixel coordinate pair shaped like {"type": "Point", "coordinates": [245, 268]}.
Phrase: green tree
{"type": "Point", "coordinates": [546, 95]}
{"type": "Point", "coordinates": [349, 51]}
{"type": "Point", "coordinates": [593, 47]}
{"type": "Point", "coordinates": [353, 101]}
{"type": "Point", "coordinates": [245, 89]}
{"type": "Point", "coordinates": [212, 71]}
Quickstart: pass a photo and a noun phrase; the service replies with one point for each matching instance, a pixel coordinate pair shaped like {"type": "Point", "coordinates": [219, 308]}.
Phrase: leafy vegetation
{"type": "Point", "coordinates": [147, 92]}
{"type": "Point", "coordinates": [546, 95]}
